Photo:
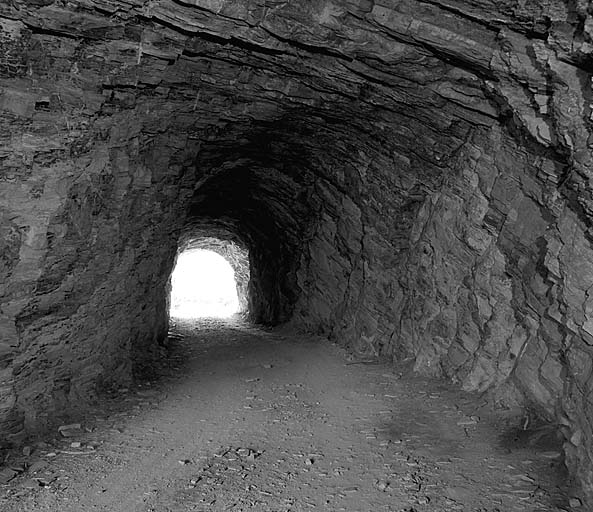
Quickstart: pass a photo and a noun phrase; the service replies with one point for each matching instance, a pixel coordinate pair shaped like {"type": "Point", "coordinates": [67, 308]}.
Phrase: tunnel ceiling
{"type": "Point", "coordinates": [431, 71]}
{"type": "Point", "coordinates": [411, 178]}
{"type": "Point", "coordinates": [291, 88]}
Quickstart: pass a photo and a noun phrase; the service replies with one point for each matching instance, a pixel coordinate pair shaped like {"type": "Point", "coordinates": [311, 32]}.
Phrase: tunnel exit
{"type": "Point", "coordinates": [203, 285]}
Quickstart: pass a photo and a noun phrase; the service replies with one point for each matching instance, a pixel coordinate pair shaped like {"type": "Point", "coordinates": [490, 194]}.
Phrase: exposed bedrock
{"type": "Point", "coordinates": [411, 179]}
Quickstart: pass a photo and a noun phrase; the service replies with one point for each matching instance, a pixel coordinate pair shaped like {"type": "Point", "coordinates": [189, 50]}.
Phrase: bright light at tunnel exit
{"type": "Point", "coordinates": [203, 285]}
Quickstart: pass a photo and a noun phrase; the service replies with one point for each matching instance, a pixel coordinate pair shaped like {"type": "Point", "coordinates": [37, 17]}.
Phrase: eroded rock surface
{"type": "Point", "coordinates": [411, 178]}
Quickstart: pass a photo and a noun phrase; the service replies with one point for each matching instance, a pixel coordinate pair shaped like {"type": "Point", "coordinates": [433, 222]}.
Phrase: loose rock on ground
{"type": "Point", "coordinates": [246, 419]}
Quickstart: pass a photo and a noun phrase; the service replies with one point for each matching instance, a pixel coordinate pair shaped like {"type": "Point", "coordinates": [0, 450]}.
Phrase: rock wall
{"type": "Point", "coordinates": [491, 289]}
{"type": "Point", "coordinates": [86, 287]}
{"type": "Point", "coordinates": [496, 288]}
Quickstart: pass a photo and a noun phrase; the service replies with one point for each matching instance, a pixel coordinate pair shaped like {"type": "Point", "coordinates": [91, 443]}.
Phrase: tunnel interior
{"type": "Point", "coordinates": [410, 181]}
{"type": "Point", "coordinates": [249, 194]}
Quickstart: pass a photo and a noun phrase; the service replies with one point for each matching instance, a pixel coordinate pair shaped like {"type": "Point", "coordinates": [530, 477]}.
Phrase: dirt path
{"type": "Point", "coordinates": [261, 421]}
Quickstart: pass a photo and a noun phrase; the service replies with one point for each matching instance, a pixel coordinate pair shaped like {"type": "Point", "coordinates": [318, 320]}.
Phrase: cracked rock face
{"type": "Point", "coordinates": [410, 178]}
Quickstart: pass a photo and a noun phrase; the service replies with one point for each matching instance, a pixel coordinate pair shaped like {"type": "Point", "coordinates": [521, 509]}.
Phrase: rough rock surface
{"type": "Point", "coordinates": [411, 178]}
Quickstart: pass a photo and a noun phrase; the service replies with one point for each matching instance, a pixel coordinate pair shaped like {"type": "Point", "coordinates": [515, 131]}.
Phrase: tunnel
{"type": "Point", "coordinates": [410, 180]}
{"type": "Point", "coordinates": [205, 284]}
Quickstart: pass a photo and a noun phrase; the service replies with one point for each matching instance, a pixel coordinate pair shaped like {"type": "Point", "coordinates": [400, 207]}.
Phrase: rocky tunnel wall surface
{"type": "Point", "coordinates": [410, 178]}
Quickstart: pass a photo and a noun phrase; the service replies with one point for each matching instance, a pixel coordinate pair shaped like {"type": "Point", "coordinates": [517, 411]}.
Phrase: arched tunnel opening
{"type": "Point", "coordinates": [203, 285]}
{"type": "Point", "coordinates": [261, 199]}
{"type": "Point", "coordinates": [210, 278]}
{"type": "Point", "coordinates": [410, 182]}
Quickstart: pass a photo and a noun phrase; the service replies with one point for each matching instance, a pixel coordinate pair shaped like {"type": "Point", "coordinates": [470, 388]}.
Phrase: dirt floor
{"type": "Point", "coordinates": [245, 419]}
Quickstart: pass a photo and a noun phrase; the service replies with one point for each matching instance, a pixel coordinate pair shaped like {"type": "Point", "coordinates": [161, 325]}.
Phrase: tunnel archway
{"type": "Point", "coordinates": [217, 266]}
{"type": "Point", "coordinates": [253, 194]}
{"type": "Point", "coordinates": [203, 285]}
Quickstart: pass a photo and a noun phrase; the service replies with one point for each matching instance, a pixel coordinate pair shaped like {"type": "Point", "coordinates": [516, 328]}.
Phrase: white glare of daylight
{"type": "Point", "coordinates": [203, 285]}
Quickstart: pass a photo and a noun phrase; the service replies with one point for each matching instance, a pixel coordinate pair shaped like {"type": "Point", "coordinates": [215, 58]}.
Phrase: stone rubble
{"type": "Point", "coordinates": [430, 463]}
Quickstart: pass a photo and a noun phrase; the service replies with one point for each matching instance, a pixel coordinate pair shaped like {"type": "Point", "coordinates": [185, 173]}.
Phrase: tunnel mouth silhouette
{"type": "Point", "coordinates": [209, 280]}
